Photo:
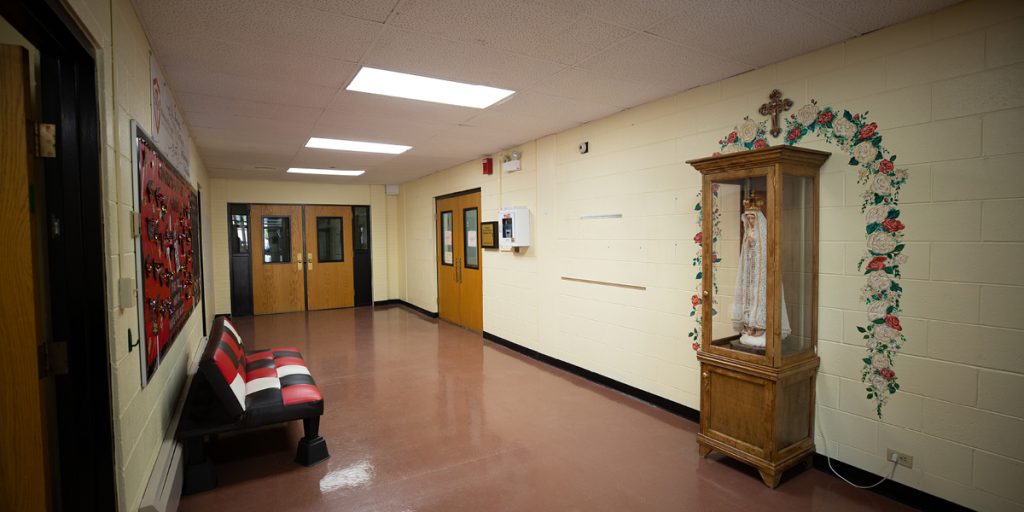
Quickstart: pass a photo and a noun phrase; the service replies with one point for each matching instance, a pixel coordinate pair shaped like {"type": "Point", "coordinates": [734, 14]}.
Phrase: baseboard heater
{"type": "Point", "coordinates": [163, 491]}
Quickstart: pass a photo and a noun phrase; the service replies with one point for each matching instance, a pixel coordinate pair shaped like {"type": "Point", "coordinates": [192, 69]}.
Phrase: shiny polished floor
{"type": "Point", "coordinates": [424, 416]}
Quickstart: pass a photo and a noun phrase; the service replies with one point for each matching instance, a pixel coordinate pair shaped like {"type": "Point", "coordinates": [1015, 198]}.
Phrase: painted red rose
{"type": "Point", "coordinates": [893, 322]}
{"type": "Point", "coordinates": [892, 225]}
{"type": "Point", "coordinates": [698, 238]}
{"type": "Point", "coordinates": [887, 374]}
{"type": "Point", "coordinates": [695, 300]}
{"type": "Point", "coordinates": [877, 263]}
{"type": "Point", "coordinates": [868, 130]}
{"type": "Point", "coordinates": [825, 117]}
{"type": "Point", "coordinates": [885, 166]}
{"type": "Point", "coordinates": [760, 143]}
{"type": "Point", "coordinates": [696, 346]}
{"type": "Point", "coordinates": [732, 137]}
{"type": "Point", "coordinates": [856, 116]}
{"type": "Point", "coordinates": [794, 134]}
{"type": "Point", "coordinates": [714, 187]}
{"type": "Point", "coordinates": [717, 153]}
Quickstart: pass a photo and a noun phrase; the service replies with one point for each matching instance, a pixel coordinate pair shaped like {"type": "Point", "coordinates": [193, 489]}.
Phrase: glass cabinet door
{"type": "Point", "coordinates": [742, 316]}
{"type": "Point", "coordinates": [798, 266]}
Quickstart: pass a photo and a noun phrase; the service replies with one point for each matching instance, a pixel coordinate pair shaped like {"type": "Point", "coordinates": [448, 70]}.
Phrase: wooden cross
{"type": "Point", "coordinates": [775, 106]}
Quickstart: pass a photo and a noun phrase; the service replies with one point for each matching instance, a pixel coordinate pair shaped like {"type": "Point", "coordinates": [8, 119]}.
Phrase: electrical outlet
{"type": "Point", "coordinates": [899, 458]}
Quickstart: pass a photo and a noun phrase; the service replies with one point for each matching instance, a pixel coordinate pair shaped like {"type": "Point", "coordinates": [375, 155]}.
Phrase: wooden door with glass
{"type": "Point", "coordinates": [329, 257]}
{"type": "Point", "coordinates": [278, 270]}
{"type": "Point", "coordinates": [459, 265]}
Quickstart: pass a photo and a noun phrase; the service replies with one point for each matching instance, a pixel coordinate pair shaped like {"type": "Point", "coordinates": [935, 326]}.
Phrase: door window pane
{"type": "Point", "coordinates": [329, 239]}
{"type": "Point", "coordinates": [239, 238]}
{"type": "Point", "coordinates": [469, 226]}
{"type": "Point", "coordinates": [277, 240]}
{"type": "Point", "coordinates": [361, 228]}
{"type": "Point", "coordinates": [447, 245]}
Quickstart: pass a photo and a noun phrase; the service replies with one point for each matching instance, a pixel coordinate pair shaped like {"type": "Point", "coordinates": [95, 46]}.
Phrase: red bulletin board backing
{"type": "Point", "coordinates": [168, 247]}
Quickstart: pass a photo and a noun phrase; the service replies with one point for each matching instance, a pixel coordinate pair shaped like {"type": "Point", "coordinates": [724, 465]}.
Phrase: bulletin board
{"type": "Point", "coordinates": [168, 247]}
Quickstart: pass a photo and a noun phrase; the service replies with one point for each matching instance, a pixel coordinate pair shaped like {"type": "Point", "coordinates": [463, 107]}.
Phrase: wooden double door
{"type": "Point", "coordinates": [459, 260]}
{"type": "Point", "coordinates": [302, 258]}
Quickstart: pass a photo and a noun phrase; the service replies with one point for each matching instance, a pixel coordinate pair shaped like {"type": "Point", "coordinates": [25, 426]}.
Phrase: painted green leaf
{"type": "Point", "coordinates": [700, 275]}
{"type": "Point", "coordinates": [893, 214]}
{"type": "Point", "coordinates": [861, 329]}
{"type": "Point", "coordinates": [853, 161]}
{"type": "Point", "coordinates": [874, 226]}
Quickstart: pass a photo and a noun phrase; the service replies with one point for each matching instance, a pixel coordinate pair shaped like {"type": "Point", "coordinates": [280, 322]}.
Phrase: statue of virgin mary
{"type": "Point", "coordinates": [749, 307]}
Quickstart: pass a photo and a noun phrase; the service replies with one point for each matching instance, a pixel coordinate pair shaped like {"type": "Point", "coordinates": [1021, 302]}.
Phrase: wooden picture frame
{"type": "Point", "coordinates": [489, 235]}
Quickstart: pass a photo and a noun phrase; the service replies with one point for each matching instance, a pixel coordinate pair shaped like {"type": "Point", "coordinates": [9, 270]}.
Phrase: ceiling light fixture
{"type": "Point", "coordinates": [329, 172]}
{"type": "Point", "coordinates": [402, 85]}
{"type": "Point", "coordinates": [355, 145]}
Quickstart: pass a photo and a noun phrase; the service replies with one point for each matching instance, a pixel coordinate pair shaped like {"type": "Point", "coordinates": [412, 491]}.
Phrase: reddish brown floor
{"type": "Point", "coordinates": [424, 416]}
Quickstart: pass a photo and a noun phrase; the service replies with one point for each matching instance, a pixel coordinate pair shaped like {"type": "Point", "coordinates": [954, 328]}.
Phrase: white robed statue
{"type": "Point", "coordinates": [749, 307]}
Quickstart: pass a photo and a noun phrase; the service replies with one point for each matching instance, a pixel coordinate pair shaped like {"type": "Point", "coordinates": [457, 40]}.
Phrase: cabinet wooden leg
{"type": "Point", "coordinates": [770, 479]}
{"type": "Point", "coordinates": [703, 450]}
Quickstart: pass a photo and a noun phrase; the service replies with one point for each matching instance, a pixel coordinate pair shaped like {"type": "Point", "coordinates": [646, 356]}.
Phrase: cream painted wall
{"type": "Point", "coordinates": [141, 414]}
{"type": "Point", "coordinates": [287, 192]}
{"type": "Point", "coordinates": [947, 91]}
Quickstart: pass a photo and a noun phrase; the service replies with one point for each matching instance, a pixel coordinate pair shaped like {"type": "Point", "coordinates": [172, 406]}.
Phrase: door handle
{"type": "Point", "coordinates": [309, 260]}
{"type": "Point", "coordinates": [298, 260]}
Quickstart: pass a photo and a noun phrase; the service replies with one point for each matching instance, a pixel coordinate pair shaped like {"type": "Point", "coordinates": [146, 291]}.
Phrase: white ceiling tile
{"type": "Point", "coordinates": [280, 91]}
{"type": "Point", "coordinates": [635, 14]}
{"type": "Point", "coordinates": [586, 85]}
{"type": "Point", "coordinates": [865, 16]}
{"type": "Point", "coordinates": [648, 59]}
{"type": "Point", "coordinates": [511, 25]}
{"type": "Point", "coordinates": [704, 25]}
{"type": "Point", "coordinates": [515, 128]}
{"type": "Point", "coordinates": [218, 105]}
{"type": "Point", "coordinates": [252, 61]}
{"type": "Point", "coordinates": [426, 55]}
{"type": "Point", "coordinates": [552, 107]}
{"type": "Point", "coordinates": [372, 10]}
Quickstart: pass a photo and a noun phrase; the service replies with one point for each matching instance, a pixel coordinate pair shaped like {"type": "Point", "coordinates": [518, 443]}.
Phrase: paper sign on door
{"type": "Point", "coordinates": [471, 238]}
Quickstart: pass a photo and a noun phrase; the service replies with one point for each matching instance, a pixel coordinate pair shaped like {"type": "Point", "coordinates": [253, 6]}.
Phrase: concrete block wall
{"type": "Point", "coordinates": [947, 91]}
{"type": "Point", "coordinates": [141, 414]}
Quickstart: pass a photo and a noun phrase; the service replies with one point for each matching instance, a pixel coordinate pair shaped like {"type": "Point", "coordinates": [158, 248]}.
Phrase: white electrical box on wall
{"type": "Point", "coordinates": [513, 228]}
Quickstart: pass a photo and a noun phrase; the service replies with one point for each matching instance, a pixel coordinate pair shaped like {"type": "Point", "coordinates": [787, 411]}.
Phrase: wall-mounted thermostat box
{"type": "Point", "coordinates": [514, 228]}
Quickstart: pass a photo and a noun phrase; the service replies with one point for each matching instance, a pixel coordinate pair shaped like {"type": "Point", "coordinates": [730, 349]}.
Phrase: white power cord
{"type": "Point", "coordinates": [892, 470]}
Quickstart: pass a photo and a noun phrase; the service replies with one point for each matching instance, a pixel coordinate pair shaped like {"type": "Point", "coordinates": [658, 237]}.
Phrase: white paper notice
{"type": "Point", "coordinates": [449, 258]}
{"type": "Point", "coordinates": [447, 238]}
{"type": "Point", "coordinates": [471, 238]}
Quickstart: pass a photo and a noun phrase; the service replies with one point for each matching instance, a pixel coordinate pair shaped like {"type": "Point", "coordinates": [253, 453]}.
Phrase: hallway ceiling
{"type": "Point", "coordinates": [256, 78]}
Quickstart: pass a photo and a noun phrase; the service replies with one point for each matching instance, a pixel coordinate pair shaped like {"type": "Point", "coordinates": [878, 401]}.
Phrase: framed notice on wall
{"type": "Point", "coordinates": [170, 276]}
{"type": "Point", "coordinates": [489, 235]}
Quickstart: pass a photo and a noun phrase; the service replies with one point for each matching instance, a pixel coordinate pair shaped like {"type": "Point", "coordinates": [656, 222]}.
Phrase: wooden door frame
{"type": "Point", "coordinates": [437, 241]}
{"type": "Point", "coordinates": [85, 472]}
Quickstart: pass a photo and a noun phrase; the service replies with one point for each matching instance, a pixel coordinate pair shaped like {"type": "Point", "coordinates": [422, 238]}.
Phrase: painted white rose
{"type": "Point", "coordinates": [879, 382]}
{"type": "Point", "coordinates": [877, 310]}
{"type": "Point", "coordinates": [884, 333]}
{"type": "Point", "coordinates": [902, 259]}
{"type": "Point", "coordinates": [843, 128]}
{"type": "Point", "coordinates": [807, 114]}
{"type": "Point", "coordinates": [881, 184]}
{"type": "Point", "coordinates": [747, 131]}
{"type": "Point", "coordinates": [881, 243]}
{"type": "Point", "coordinates": [879, 280]}
{"type": "Point", "coordinates": [865, 152]}
{"type": "Point", "coordinates": [876, 213]}
{"type": "Point", "coordinates": [879, 361]}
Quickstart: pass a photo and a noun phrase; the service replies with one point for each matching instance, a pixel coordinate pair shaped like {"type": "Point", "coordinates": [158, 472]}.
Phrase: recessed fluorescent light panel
{"type": "Point", "coordinates": [354, 145]}
{"type": "Point", "coordinates": [328, 172]}
{"type": "Point", "coordinates": [413, 87]}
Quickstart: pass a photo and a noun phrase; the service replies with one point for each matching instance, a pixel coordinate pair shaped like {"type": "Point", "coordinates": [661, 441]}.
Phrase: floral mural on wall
{"type": "Point", "coordinates": [883, 258]}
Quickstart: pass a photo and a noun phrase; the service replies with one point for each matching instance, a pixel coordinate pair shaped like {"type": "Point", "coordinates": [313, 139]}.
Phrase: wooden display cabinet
{"type": "Point", "coordinates": [758, 354]}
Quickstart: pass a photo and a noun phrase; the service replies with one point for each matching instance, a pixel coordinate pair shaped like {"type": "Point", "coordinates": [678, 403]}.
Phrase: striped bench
{"type": "Point", "coordinates": [236, 390]}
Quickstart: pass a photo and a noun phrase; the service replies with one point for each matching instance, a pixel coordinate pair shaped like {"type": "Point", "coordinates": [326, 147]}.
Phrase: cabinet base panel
{"type": "Point", "coordinates": [771, 472]}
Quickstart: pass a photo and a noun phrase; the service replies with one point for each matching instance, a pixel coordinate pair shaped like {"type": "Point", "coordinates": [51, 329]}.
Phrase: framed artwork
{"type": "Point", "coordinates": [489, 235]}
